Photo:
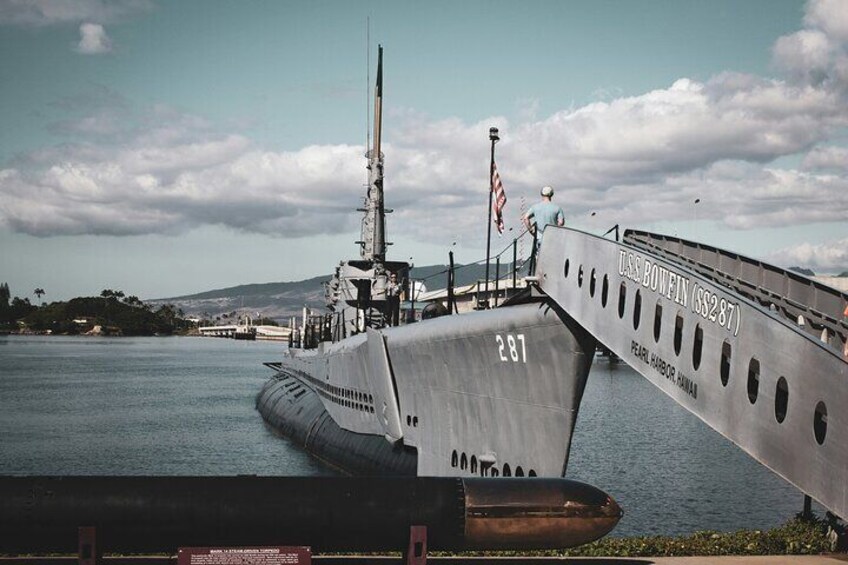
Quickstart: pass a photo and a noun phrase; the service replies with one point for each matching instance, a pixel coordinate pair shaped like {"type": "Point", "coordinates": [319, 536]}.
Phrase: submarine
{"type": "Point", "coordinates": [490, 393]}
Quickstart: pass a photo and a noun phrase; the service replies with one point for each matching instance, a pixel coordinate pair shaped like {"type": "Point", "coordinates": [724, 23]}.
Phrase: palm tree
{"type": "Point", "coordinates": [39, 292]}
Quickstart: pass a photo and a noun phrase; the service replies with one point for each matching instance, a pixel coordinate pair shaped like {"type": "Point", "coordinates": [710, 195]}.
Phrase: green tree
{"type": "Point", "coordinates": [117, 317]}
{"type": "Point", "coordinates": [5, 295]}
{"type": "Point", "coordinates": [20, 308]}
{"type": "Point", "coordinates": [168, 315]}
{"type": "Point", "coordinates": [39, 292]}
{"type": "Point", "coordinates": [109, 293]}
{"type": "Point", "coordinates": [5, 309]}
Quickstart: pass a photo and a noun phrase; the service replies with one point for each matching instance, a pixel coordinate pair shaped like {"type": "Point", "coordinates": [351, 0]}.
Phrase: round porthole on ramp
{"type": "Point", "coordinates": [592, 283]}
{"type": "Point", "coordinates": [637, 309]}
{"type": "Point", "coordinates": [725, 362]}
{"type": "Point", "coordinates": [753, 379]}
{"type": "Point", "coordinates": [697, 347]}
{"type": "Point", "coordinates": [781, 400]}
{"type": "Point", "coordinates": [657, 321]}
{"type": "Point", "coordinates": [678, 333]}
{"type": "Point", "coordinates": [820, 422]}
{"type": "Point", "coordinates": [622, 298]}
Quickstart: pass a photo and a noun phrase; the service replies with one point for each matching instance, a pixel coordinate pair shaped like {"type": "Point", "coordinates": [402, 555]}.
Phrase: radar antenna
{"type": "Point", "coordinates": [373, 240]}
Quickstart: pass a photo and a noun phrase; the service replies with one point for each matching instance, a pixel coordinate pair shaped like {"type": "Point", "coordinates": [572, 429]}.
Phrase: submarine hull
{"type": "Point", "coordinates": [489, 393]}
{"type": "Point", "coordinates": [295, 411]}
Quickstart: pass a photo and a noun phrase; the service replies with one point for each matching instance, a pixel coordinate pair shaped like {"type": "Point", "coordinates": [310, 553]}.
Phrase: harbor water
{"type": "Point", "coordinates": [185, 406]}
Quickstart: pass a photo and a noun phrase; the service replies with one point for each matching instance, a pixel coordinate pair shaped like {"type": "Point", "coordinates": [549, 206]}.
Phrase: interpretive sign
{"type": "Point", "coordinates": [274, 555]}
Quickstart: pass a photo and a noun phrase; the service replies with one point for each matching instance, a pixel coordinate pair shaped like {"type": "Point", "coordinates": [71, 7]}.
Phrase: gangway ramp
{"type": "Point", "coordinates": [725, 345]}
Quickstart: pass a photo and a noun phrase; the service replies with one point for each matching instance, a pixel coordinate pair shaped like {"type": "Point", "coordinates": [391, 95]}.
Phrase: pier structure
{"type": "Point", "coordinates": [262, 332]}
{"type": "Point", "coordinates": [467, 297]}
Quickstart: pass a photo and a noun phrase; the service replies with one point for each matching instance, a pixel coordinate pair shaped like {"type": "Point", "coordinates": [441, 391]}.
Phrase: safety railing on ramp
{"type": "Point", "coordinates": [813, 306]}
{"type": "Point", "coordinates": [744, 369]}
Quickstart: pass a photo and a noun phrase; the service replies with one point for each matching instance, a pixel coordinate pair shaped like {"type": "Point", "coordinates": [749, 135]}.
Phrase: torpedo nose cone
{"type": "Point", "coordinates": [536, 513]}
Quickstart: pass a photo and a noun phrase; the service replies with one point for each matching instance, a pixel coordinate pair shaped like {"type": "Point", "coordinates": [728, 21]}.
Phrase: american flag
{"type": "Point", "coordinates": [498, 200]}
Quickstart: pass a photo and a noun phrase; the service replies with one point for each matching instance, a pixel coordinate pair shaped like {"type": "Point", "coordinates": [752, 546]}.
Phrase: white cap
{"type": "Point", "coordinates": [547, 191]}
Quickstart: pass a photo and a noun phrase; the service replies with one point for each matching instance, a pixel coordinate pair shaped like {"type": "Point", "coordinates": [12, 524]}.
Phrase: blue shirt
{"type": "Point", "coordinates": [544, 214]}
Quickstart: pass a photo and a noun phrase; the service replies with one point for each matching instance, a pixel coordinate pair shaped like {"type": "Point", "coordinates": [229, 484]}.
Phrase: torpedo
{"type": "Point", "coordinates": [161, 514]}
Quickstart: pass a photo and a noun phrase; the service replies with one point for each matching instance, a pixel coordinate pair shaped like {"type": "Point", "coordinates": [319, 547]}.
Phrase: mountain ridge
{"type": "Point", "coordinates": [281, 300]}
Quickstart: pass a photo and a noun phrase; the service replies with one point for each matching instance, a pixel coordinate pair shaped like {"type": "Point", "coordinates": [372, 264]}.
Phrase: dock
{"type": "Point", "coordinates": [277, 333]}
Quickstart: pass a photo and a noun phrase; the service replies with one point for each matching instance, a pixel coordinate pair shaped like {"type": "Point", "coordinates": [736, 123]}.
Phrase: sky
{"type": "Point", "coordinates": [167, 148]}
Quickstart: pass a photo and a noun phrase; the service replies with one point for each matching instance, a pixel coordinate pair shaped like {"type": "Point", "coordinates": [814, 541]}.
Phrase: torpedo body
{"type": "Point", "coordinates": [160, 514]}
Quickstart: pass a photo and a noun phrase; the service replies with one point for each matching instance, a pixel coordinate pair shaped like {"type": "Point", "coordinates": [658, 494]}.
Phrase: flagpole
{"type": "Point", "coordinates": [493, 136]}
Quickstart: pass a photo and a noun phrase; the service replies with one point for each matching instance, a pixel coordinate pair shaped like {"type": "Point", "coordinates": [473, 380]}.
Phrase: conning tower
{"type": "Point", "coordinates": [361, 293]}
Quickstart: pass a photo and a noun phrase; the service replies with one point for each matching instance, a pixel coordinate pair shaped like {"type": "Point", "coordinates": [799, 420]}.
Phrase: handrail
{"type": "Point", "coordinates": [482, 260]}
{"type": "Point", "coordinates": [797, 298]}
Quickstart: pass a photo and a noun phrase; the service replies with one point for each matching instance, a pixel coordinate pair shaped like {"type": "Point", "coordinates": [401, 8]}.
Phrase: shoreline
{"type": "Point", "coordinates": [49, 333]}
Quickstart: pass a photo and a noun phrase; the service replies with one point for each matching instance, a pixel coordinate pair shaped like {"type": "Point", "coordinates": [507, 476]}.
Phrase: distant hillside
{"type": "Point", "coordinates": [260, 289]}
{"type": "Point", "coordinates": [810, 273]}
{"type": "Point", "coordinates": [435, 276]}
{"type": "Point", "coordinates": [277, 300]}
{"type": "Point", "coordinates": [280, 300]}
{"type": "Point", "coordinates": [804, 271]}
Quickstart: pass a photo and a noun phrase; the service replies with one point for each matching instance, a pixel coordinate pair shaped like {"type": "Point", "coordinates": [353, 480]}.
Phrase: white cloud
{"type": "Point", "coordinates": [93, 40]}
{"type": "Point", "coordinates": [175, 175]}
{"type": "Point", "coordinates": [817, 55]}
{"type": "Point", "coordinates": [737, 195]}
{"type": "Point", "coordinates": [830, 257]}
{"type": "Point", "coordinates": [607, 94]}
{"type": "Point", "coordinates": [682, 128]}
{"type": "Point", "coordinates": [830, 16]}
{"type": "Point", "coordinates": [635, 160]}
{"type": "Point", "coordinates": [829, 157]}
{"type": "Point", "coordinates": [90, 15]}
{"type": "Point", "coordinates": [39, 13]}
{"type": "Point", "coordinates": [527, 108]}
{"type": "Point", "coordinates": [103, 122]}
{"type": "Point", "coordinates": [805, 53]}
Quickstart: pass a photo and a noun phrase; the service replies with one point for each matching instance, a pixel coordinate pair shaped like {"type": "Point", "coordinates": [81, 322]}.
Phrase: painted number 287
{"type": "Point", "coordinates": [509, 349]}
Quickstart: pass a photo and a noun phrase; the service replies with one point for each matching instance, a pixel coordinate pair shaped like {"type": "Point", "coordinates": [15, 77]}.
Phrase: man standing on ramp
{"type": "Point", "coordinates": [543, 214]}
